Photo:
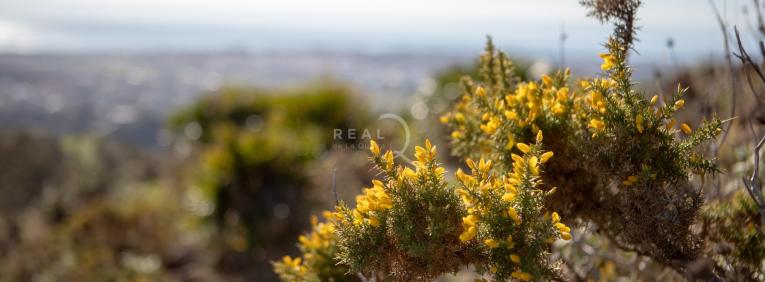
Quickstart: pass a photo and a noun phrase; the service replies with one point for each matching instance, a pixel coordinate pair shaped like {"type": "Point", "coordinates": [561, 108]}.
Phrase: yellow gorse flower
{"type": "Point", "coordinates": [515, 258]}
{"type": "Point", "coordinates": [520, 275]}
{"type": "Point", "coordinates": [546, 156]}
{"type": "Point", "coordinates": [480, 92]}
{"type": "Point", "coordinates": [491, 125]}
{"type": "Point", "coordinates": [388, 158]}
{"type": "Point", "coordinates": [469, 226]}
{"type": "Point", "coordinates": [609, 61]}
{"type": "Point", "coordinates": [630, 180]}
{"type": "Point", "coordinates": [491, 243]}
{"type": "Point", "coordinates": [374, 148]}
{"type": "Point", "coordinates": [372, 200]}
{"type": "Point", "coordinates": [679, 104]}
{"type": "Point", "coordinates": [597, 126]}
{"type": "Point", "coordinates": [686, 128]}
{"type": "Point", "coordinates": [425, 154]}
{"type": "Point", "coordinates": [523, 147]}
{"type": "Point", "coordinates": [547, 80]}
{"type": "Point", "coordinates": [514, 215]}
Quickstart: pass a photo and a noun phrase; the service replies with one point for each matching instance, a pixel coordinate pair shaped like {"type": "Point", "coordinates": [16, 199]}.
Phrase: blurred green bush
{"type": "Point", "coordinates": [256, 148]}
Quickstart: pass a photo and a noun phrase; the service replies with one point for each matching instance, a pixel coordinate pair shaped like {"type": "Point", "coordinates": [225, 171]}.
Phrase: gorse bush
{"type": "Point", "coordinates": [256, 149]}
{"type": "Point", "coordinates": [621, 164]}
{"type": "Point", "coordinates": [412, 225]}
{"type": "Point", "coordinates": [318, 262]}
{"type": "Point", "coordinates": [620, 161]}
{"type": "Point", "coordinates": [407, 224]}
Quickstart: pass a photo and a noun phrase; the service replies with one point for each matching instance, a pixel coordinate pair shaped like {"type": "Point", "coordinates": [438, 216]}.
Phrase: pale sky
{"type": "Point", "coordinates": [359, 25]}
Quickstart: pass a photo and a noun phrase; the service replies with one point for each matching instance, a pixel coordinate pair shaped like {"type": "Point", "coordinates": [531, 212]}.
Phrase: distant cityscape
{"type": "Point", "coordinates": [128, 97]}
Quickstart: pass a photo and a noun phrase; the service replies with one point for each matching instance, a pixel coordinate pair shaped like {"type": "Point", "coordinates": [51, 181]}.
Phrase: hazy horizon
{"type": "Point", "coordinates": [366, 27]}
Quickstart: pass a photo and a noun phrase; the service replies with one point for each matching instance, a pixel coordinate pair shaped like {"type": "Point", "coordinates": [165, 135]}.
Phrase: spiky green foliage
{"type": "Point", "coordinates": [318, 261]}
{"type": "Point", "coordinates": [736, 237]}
{"type": "Point", "coordinates": [619, 161]}
{"type": "Point", "coordinates": [412, 225]}
{"type": "Point", "coordinates": [407, 225]}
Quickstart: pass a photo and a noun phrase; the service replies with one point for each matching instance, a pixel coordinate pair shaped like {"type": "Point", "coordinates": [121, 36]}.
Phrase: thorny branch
{"type": "Point", "coordinates": [753, 184]}
{"type": "Point", "coordinates": [747, 61]}
{"type": "Point", "coordinates": [731, 71]}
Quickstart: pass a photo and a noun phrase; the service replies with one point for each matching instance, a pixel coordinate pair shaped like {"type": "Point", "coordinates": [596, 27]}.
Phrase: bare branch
{"type": "Point", "coordinates": [753, 184]}
{"type": "Point", "coordinates": [747, 60]}
{"type": "Point", "coordinates": [334, 186]}
{"type": "Point", "coordinates": [731, 72]}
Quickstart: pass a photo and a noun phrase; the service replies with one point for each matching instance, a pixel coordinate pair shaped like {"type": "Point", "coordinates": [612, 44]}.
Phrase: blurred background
{"type": "Point", "coordinates": [192, 140]}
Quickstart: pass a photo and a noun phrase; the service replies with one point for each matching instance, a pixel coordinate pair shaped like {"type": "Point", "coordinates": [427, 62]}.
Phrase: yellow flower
{"type": "Point", "coordinates": [608, 61]}
{"type": "Point", "coordinates": [547, 80]}
{"type": "Point", "coordinates": [425, 154]}
{"type": "Point", "coordinates": [555, 217]}
{"type": "Point", "coordinates": [539, 137]}
{"type": "Point", "coordinates": [510, 188]}
{"type": "Point", "coordinates": [562, 94]}
{"type": "Point", "coordinates": [440, 171]}
{"type": "Point", "coordinates": [639, 123]}
{"type": "Point", "coordinates": [444, 118]}
{"type": "Point", "coordinates": [510, 143]}
{"type": "Point", "coordinates": [461, 176]}
{"type": "Point", "coordinates": [388, 157]}
{"type": "Point", "coordinates": [514, 215]}
{"type": "Point", "coordinates": [468, 234]}
{"type": "Point", "coordinates": [679, 104]}
{"type": "Point", "coordinates": [533, 161]}
{"type": "Point", "coordinates": [373, 221]}
{"type": "Point", "coordinates": [484, 166]}
{"type": "Point", "coordinates": [480, 91]}
{"type": "Point", "coordinates": [290, 262]}
{"type": "Point", "coordinates": [508, 197]}
{"type": "Point", "coordinates": [517, 158]}
{"type": "Point", "coordinates": [491, 243]}
{"type": "Point", "coordinates": [491, 126]}
{"type": "Point", "coordinates": [630, 180]}
{"type": "Point", "coordinates": [374, 148]}
{"type": "Point", "coordinates": [471, 164]}
{"type": "Point", "coordinates": [686, 128]}
{"type": "Point", "coordinates": [515, 258]}
{"type": "Point", "coordinates": [520, 275]}
{"type": "Point", "coordinates": [546, 156]}
{"type": "Point", "coordinates": [654, 99]}
{"type": "Point", "coordinates": [584, 84]}
{"type": "Point", "coordinates": [511, 115]}
{"type": "Point", "coordinates": [565, 236]}
{"type": "Point", "coordinates": [523, 147]}
{"type": "Point", "coordinates": [470, 219]}
{"type": "Point", "coordinates": [456, 134]}
{"type": "Point", "coordinates": [597, 124]}
{"type": "Point", "coordinates": [558, 109]}
{"type": "Point", "coordinates": [409, 173]}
